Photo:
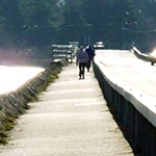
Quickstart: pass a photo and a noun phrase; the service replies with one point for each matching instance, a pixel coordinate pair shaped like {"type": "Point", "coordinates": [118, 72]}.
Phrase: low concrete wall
{"type": "Point", "coordinates": [133, 110]}
{"type": "Point", "coordinates": [16, 102]}
{"type": "Point", "coordinates": [140, 55]}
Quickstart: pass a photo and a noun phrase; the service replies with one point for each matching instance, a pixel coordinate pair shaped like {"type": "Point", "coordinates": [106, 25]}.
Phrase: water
{"type": "Point", "coordinates": [12, 78]}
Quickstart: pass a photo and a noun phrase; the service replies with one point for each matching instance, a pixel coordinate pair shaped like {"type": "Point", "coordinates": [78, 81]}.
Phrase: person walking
{"type": "Point", "coordinates": [91, 54]}
{"type": "Point", "coordinates": [81, 60]}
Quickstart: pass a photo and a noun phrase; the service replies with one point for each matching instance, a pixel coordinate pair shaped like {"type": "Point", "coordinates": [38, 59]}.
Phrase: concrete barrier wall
{"type": "Point", "coordinates": [140, 55]}
{"type": "Point", "coordinates": [131, 108]}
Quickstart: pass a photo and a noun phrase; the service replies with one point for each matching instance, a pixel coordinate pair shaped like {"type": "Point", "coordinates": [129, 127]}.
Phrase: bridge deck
{"type": "Point", "coordinates": [71, 118]}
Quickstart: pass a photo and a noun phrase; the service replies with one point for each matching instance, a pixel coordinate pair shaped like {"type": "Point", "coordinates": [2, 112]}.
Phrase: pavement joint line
{"type": "Point", "coordinates": [93, 103]}
{"type": "Point", "coordinates": [70, 100]}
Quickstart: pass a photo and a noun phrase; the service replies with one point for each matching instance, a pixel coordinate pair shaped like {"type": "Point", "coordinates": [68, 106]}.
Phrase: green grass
{"type": "Point", "coordinates": [3, 141]}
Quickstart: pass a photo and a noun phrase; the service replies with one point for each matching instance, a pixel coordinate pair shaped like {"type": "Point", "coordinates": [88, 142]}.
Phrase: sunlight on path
{"type": "Point", "coordinates": [12, 78]}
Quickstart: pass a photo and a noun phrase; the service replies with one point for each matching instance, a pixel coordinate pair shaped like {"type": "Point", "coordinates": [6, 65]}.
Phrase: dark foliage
{"type": "Point", "coordinates": [43, 22]}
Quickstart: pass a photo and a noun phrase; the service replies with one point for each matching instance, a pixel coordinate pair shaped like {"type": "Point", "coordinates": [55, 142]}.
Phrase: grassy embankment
{"type": "Point", "coordinates": [17, 102]}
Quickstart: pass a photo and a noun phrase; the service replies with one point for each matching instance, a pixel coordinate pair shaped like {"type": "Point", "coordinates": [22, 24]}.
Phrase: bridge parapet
{"type": "Point", "coordinates": [137, 112]}
{"type": "Point", "coordinates": [141, 55]}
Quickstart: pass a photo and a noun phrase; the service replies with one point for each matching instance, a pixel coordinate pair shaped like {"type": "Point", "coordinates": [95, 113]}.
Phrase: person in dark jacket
{"type": "Point", "coordinates": [91, 54]}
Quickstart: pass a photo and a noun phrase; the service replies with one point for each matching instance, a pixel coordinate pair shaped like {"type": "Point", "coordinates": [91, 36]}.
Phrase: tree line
{"type": "Point", "coordinates": [119, 24]}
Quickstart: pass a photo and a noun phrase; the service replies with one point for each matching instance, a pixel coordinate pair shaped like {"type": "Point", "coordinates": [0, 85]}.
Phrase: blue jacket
{"type": "Point", "coordinates": [90, 53]}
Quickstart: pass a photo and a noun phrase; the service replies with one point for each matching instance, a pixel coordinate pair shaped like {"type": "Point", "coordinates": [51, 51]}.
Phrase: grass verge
{"type": "Point", "coordinates": [9, 121]}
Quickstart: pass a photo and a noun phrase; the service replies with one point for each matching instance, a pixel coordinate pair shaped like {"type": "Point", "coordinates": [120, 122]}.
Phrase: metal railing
{"type": "Point", "coordinates": [63, 51]}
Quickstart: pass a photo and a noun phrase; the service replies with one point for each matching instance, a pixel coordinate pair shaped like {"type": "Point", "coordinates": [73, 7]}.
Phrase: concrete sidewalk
{"type": "Point", "coordinates": [70, 119]}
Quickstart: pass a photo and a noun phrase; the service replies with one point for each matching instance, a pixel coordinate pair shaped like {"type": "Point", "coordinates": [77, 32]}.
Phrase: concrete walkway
{"type": "Point", "coordinates": [70, 119]}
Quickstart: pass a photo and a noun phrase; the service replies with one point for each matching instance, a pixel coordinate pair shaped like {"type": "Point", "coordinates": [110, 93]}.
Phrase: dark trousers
{"type": "Point", "coordinates": [88, 64]}
{"type": "Point", "coordinates": [82, 69]}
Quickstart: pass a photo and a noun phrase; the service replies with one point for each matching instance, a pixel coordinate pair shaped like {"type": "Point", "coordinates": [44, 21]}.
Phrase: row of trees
{"type": "Point", "coordinates": [29, 22]}
{"type": "Point", "coordinates": [43, 22]}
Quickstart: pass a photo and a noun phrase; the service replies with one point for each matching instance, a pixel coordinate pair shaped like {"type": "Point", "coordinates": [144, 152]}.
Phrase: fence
{"type": "Point", "coordinates": [63, 51]}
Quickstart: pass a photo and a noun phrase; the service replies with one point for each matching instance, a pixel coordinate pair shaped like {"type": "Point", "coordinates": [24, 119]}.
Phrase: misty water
{"type": "Point", "coordinates": [12, 78]}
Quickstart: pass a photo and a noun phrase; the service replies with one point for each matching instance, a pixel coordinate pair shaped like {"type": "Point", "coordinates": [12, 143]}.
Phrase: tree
{"type": "Point", "coordinates": [41, 19]}
{"type": "Point", "coordinates": [107, 18]}
{"type": "Point", "coordinates": [73, 28]}
{"type": "Point", "coordinates": [10, 21]}
{"type": "Point", "coordinates": [41, 22]}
